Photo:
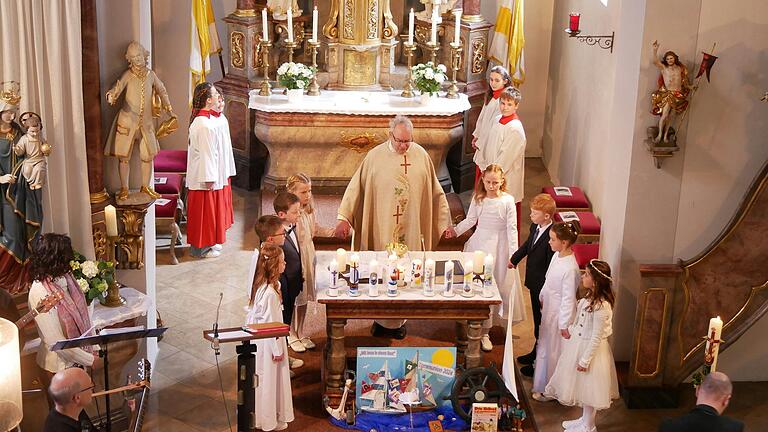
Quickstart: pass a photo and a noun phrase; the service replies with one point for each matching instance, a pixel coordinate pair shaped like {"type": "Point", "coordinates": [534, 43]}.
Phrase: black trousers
{"type": "Point", "coordinates": [290, 291]}
{"type": "Point", "coordinates": [536, 309]}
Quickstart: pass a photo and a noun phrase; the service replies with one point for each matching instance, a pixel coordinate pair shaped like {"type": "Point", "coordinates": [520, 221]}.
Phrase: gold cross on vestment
{"type": "Point", "coordinates": [405, 163]}
{"type": "Point", "coordinates": [397, 215]}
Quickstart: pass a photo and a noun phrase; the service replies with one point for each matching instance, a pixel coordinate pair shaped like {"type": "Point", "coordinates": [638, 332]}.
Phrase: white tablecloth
{"type": "Point", "coordinates": [358, 103]}
{"type": "Point", "coordinates": [137, 304]}
{"type": "Point", "coordinates": [322, 278]}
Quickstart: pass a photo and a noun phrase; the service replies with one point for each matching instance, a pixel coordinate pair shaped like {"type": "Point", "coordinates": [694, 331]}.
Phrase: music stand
{"type": "Point", "coordinates": [246, 363]}
{"type": "Point", "coordinates": [103, 341]}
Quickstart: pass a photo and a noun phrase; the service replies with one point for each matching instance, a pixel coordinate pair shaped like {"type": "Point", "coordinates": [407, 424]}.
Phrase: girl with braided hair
{"type": "Point", "coordinates": [558, 304]}
{"type": "Point", "coordinates": [274, 403]}
{"type": "Point", "coordinates": [593, 383]}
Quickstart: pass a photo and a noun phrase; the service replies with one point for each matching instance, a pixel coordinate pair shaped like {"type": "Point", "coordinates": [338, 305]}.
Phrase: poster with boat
{"type": "Point", "coordinates": [404, 379]}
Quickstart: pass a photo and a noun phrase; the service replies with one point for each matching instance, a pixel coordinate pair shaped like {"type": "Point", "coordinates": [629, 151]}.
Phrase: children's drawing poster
{"type": "Point", "coordinates": [389, 380]}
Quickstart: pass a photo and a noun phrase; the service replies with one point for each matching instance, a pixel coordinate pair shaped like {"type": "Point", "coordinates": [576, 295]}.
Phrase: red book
{"type": "Point", "coordinates": [266, 328]}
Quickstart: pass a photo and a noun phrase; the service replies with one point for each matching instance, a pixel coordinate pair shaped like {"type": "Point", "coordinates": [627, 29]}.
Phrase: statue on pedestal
{"type": "Point", "coordinates": [444, 5]}
{"type": "Point", "coordinates": [280, 8]}
{"type": "Point", "coordinates": [145, 98]}
{"type": "Point", "coordinates": [672, 95]}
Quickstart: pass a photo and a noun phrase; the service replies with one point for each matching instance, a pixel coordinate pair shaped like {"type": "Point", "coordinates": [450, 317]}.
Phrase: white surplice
{"type": "Point", "coordinates": [485, 120]}
{"type": "Point", "coordinates": [274, 400]}
{"type": "Point", "coordinates": [505, 146]}
{"type": "Point", "coordinates": [205, 161]}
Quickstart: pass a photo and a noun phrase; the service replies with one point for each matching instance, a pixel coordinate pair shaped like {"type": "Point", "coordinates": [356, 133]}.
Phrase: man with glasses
{"type": "Point", "coordinates": [71, 391]}
{"type": "Point", "coordinates": [394, 196]}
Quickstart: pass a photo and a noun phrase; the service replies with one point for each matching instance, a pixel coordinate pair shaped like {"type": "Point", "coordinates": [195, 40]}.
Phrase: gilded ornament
{"type": "Point", "coordinates": [349, 19]}
{"type": "Point", "coordinates": [360, 143]}
{"type": "Point", "coordinates": [359, 68]}
{"type": "Point", "coordinates": [390, 29]}
{"type": "Point", "coordinates": [373, 19]}
{"type": "Point", "coordinates": [236, 40]}
{"type": "Point", "coordinates": [330, 29]}
{"type": "Point", "coordinates": [478, 56]}
{"type": "Point", "coordinates": [257, 61]}
{"type": "Point", "coordinates": [100, 240]}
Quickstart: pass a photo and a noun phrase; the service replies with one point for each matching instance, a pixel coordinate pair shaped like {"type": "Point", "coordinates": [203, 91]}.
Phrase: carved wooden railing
{"type": "Point", "coordinates": [728, 279]}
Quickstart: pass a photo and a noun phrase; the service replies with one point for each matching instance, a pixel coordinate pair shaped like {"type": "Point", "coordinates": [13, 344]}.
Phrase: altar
{"type": "Point", "coordinates": [410, 303]}
{"type": "Point", "coordinates": [327, 136]}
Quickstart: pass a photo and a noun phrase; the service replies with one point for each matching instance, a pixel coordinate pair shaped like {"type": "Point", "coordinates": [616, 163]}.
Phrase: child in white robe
{"type": "Point", "coordinates": [493, 211]}
{"type": "Point", "coordinates": [586, 373]}
{"type": "Point", "coordinates": [307, 227]}
{"type": "Point", "coordinates": [558, 303]}
{"type": "Point", "coordinates": [274, 403]}
{"type": "Point", "coordinates": [498, 80]}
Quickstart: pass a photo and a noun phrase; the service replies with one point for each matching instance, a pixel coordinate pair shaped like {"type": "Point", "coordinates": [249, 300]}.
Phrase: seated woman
{"type": "Point", "coordinates": [50, 271]}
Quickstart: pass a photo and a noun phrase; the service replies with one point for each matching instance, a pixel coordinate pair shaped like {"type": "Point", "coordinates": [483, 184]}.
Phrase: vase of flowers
{"type": "Point", "coordinates": [93, 277]}
{"type": "Point", "coordinates": [295, 77]}
{"type": "Point", "coordinates": [428, 79]}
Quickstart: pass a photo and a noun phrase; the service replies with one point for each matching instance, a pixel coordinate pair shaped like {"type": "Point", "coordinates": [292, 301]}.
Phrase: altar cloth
{"type": "Point", "coordinates": [136, 304]}
{"type": "Point", "coordinates": [358, 103]}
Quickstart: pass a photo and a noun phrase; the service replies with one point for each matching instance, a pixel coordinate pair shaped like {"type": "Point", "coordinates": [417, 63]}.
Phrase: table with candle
{"type": "Point", "coordinates": [409, 302]}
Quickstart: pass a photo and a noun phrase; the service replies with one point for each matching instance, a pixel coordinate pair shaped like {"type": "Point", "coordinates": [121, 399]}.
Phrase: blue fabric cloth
{"type": "Point", "coordinates": [366, 421]}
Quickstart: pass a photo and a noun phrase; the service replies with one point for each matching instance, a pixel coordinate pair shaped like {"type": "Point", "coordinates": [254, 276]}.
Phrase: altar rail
{"type": "Point", "coordinates": [727, 279]}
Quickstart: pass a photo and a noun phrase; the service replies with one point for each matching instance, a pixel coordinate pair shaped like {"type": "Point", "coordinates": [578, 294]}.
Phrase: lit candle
{"type": "Point", "coordinates": [410, 27]}
{"type": "Point", "coordinates": [573, 23]}
{"type": "Point", "coordinates": [433, 37]}
{"type": "Point", "coordinates": [456, 37]}
{"type": "Point", "coordinates": [290, 25]}
{"type": "Point", "coordinates": [478, 262]}
{"type": "Point", "coordinates": [110, 218]}
{"type": "Point", "coordinates": [264, 31]}
{"type": "Point", "coordinates": [314, 25]}
{"type": "Point", "coordinates": [713, 336]}
{"type": "Point", "coordinates": [341, 260]}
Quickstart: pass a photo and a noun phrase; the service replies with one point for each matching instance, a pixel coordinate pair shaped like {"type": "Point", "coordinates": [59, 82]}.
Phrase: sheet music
{"type": "Point", "coordinates": [563, 191]}
{"type": "Point", "coordinates": [568, 216]}
{"type": "Point", "coordinates": [111, 331]}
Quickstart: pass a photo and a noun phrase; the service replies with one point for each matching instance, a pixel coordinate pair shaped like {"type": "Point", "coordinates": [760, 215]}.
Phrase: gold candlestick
{"type": "Point", "coordinates": [433, 48]}
{"type": "Point", "coordinates": [266, 87]}
{"type": "Point", "coordinates": [291, 45]}
{"type": "Point", "coordinates": [453, 90]}
{"type": "Point", "coordinates": [408, 87]}
{"type": "Point", "coordinates": [314, 87]}
{"type": "Point", "coordinates": [113, 297]}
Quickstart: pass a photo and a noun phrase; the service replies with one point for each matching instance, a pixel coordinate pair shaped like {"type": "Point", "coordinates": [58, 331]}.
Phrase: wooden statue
{"type": "Point", "coordinates": [279, 8]}
{"type": "Point", "coordinates": [34, 149]}
{"type": "Point", "coordinates": [672, 96]}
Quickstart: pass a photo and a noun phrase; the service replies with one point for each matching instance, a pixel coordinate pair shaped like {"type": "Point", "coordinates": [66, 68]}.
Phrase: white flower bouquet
{"type": "Point", "coordinates": [295, 76]}
{"type": "Point", "coordinates": [93, 277]}
{"type": "Point", "coordinates": [428, 78]}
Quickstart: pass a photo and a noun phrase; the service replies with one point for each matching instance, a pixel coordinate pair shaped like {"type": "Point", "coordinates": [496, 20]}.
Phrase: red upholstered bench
{"type": "Point", "coordinates": [586, 252]}
{"type": "Point", "coordinates": [568, 198]}
{"type": "Point", "coordinates": [166, 220]}
{"type": "Point", "coordinates": [590, 225]}
{"type": "Point", "coordinates": [171, 161]}
{"type": "Point", "coordinates": [169, 183]}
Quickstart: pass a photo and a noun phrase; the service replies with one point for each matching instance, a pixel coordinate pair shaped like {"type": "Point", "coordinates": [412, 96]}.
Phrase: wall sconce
{"type": "Point", "coordinates": [10, 376]}
{"type": "Point", "coordinates": [126, 249]}
{"type": "Point", "coordinates": [604, 42]}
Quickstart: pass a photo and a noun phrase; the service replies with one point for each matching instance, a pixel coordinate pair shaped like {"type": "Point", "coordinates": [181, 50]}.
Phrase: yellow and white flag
{"type": "Point", "coordinates": [204, 42]}
{"type": "Point", "coordinates": [509, 39]}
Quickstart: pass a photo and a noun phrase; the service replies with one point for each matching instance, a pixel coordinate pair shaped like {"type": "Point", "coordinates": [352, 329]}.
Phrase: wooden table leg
{"type": "Point", "coordinates": [473, 354]}
{"type": "Point", "coordinates": [461, 338]}
{"type": "Point", "coordinates": [336, 356]}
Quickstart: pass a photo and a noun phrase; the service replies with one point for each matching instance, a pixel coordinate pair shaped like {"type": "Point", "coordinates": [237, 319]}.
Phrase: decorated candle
{"type": "Point", "coordinates": [290, 25]}
{"type": "Point", "coordinates": [334, 279]}
{"type": "Point", "coordinates": [457, 30]}
{"type": "Point", "coordinates": [394, 276]}
{"type": "Point", "coordinates": [433, 36]}
{"type": "Point", "coordinates": [448, 284]}
{"type": "Point", "coordinates": [410, 27]}
{"type": "Point", "coordinates": [416, 271]}
{"type": "Point", "coordinates": [429, 277]}
{"type": "Point", "coordinates": [110, 218]}
{"type": "Point", "coordinates": [468, 274]}
{"type": "Point", "coordinates": [264, 31]}
{"type": "Point", "coordinates": [373, 278]}
{"type": "Point", "coordinates": [713, 341]}
{"type": "Point", "coordinates": [488, 269]}
{"type": "Point", "coordinates": [354, 275]}
{"type": "Point", "coordinates": [314, 25]}
{"type": "Point", "coordinates": [477, 262]}
{"type": "Point", "coordinates": [341, 260]}
{"type": "Point", "coordinates": [400, 275]}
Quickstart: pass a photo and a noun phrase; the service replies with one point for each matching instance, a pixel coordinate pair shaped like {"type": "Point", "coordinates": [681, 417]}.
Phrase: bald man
{"type": "Point", "coordinates": [71, 391]}
{"type": "Point", "coordinates": [712, 397]}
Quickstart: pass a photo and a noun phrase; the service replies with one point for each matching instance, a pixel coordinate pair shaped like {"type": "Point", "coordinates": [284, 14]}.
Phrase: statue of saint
{"type": "Point", "coordinates": [444, 5]}
{"type": "Point", "coordinates": [135, 119]}
{"type": "Point", "coordinates": [671, 97]}
{"type": "Point", "coordinates": [279, 8]}
{"type": "Point", "coordinates": [34, 149]}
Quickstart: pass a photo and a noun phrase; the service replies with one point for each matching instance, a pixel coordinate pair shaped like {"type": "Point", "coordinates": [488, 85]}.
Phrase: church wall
{"type": "Point", "coordinates": [538, 33]}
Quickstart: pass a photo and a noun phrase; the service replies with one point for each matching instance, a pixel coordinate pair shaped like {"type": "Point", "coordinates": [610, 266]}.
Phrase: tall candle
{"type": "Point", "coordinates": [433, 37]}
{"type": "Point", "coordinates": [410, 27]}
{"type": "Point", "coordinates": [341, 260]}
{"type": "Point", "coordinates": [457, 30]}
{"type": "Point", "coordinates": [573, 23]}
{"type": "Point", "coordinates": [110, 218]}
{"type": "Point", "coordinates": [334, 279]}
{"type": "Point", "coordinates": [713, 336]}
{"type": "Point", "coordinates": [314, 25]}
{"type": "Point", "coordinates": [290, 25]}
{"type": "Point", "coordinates": [264, 31]}
{"type": "Point", "coordinates": [478, 262]}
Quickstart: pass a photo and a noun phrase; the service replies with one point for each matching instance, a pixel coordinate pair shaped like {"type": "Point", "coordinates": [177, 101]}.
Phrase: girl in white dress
{"type": "Point", "coordinates": [586, 374]}
{"type": "Point", "coordinates": [301, 185]}
{"type": "Point", "coordinates": [558, 303]}
{"type": "Point", "coordinates": [498, 80]}
{"type": "Point", "coordinates": [493, 211]}
{"type": "Point", "coordinates": [274, 403]}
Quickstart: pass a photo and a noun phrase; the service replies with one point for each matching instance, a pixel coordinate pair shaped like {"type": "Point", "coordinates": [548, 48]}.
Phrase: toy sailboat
{"type": "Point", "coordinates": [388, 395]}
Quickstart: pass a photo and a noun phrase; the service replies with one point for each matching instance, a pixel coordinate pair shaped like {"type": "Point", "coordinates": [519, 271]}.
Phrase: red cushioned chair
{"type": "Point", "coordinates": [585, 252]}
{"type": "Point", "coordinates": [590, 226]}
{"type": "Point", "coordinates": [577, 201]}
{"type": "Point", "coordinates": [167, 221]}
{"type": "Point", "coordinates": [168, 161]}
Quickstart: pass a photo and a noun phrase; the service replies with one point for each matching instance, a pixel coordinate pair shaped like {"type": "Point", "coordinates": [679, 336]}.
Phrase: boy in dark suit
{"type": "Point", "coordinates": [712, 397]}
{"type": "Point", "coordinates": [539, 254]}
{"type": "Point", "coordinates": [287, 207]}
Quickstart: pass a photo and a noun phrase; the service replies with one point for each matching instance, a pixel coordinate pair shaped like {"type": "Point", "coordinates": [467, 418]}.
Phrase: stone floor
{"type": "Point", "coordinates": [186, 394]}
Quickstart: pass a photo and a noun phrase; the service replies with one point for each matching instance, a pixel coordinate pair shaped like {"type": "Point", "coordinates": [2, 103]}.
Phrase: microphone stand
{"type": "Point", "coordinates": [215, 343]}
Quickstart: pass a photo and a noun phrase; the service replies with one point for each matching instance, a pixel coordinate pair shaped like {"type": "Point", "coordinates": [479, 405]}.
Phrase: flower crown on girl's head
{"type": "Point", "coordinates": [592, 265]}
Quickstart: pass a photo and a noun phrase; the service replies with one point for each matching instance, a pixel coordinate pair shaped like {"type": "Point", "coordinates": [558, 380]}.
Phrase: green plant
{"type": "Point", "coordinates": [93, 277]}
{"type": "Point", "coordinates": [295, 75]}
{"type": "Point", "coordinates": [428, 78]}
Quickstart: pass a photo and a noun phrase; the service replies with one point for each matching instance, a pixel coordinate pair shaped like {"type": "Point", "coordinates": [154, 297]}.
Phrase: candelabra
{"type": "Point", "coordinates": [453, 90]}
{"type": "Point", "coordinates": [433, 48]}
{"type": "Point", "coordinates": [266, 88]}
{"type": "Point", "coordinates": [409, 47]}
{"type": "Point", "coordinates": [314, 87]}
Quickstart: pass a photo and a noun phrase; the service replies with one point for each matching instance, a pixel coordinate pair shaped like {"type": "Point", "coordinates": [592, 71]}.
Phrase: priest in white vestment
{"type": "Point", "coordinates": [394, 196]}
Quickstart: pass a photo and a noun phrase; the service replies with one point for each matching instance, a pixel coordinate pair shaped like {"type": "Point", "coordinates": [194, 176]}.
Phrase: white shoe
{"type": "Point", "coordinates": [581, 428]}
{"type": "Point", "coordinates": [485, 343]}
{"type": "Point", "coordinates": [294, 363]}
{"type": "Point", "coordinates": [281, 426]}
{"type": "Point", "coordinates": [570, 424]}
{"type": "Point", "coordinates": [218, 248]}
{"type": "Point", "coordinates": [296, 345]}
{"type": "Point", "coordinates": [211, 254]}
{"type": "Point", "coordinates": [308, 344]}
{"type": "Point", "coordinates": [541, 398]}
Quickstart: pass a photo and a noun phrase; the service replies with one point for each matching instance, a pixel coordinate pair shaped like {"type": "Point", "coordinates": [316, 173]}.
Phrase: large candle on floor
{"type": "Point", "coordinates": [713, 340]}
{"type": "Point", "coordinates": [341, 260]}
{"type": "Point", "coordinates": [479, 260]}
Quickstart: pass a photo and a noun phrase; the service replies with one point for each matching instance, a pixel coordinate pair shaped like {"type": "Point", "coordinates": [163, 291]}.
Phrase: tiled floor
{"type": "Point", "coordinates": [186, 394]}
